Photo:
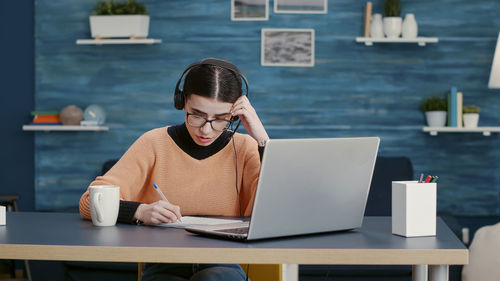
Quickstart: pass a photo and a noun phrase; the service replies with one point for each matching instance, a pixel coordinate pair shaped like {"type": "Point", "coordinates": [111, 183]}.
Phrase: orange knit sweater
{"type": "Point", "coordinates": [199, 187]}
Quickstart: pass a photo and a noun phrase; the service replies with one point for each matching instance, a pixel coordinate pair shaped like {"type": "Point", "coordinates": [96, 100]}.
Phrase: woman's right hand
{"type": "Point", "coordinates": [158, 212]}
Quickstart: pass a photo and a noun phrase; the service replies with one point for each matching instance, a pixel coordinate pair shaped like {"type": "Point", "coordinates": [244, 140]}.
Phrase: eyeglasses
{"type": "Point", "coordinates": [197, 121]}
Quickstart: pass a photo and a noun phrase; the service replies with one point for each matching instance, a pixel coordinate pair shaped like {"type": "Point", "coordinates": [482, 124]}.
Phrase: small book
{"type": "Point", "coordinates": [41, 112]}
{"type": "Point", "coordinates": [368, 18]}
{"type": "Point", "coordinates": [460, 103]}
{"type": "Point", "coordinates": [32, 123]}
{"type": "Point", "coordinates": [46, 119]}
{"type": "Point", "coordinates": [452, 107]}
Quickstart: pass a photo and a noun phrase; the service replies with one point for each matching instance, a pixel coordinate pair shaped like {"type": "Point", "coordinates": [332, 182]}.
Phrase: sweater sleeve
{"type": "Point", "coordinates": [130, 173]}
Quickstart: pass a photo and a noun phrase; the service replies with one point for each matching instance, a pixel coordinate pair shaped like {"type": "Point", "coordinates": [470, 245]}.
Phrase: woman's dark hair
{"type": "Point", "coordinates": [213, 82]}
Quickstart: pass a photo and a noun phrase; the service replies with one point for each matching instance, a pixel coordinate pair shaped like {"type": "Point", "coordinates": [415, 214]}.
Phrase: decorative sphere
{"type": "Point", "coordinates": [71, 115]}
{"type": "Point", "coordinates": [94, 112]}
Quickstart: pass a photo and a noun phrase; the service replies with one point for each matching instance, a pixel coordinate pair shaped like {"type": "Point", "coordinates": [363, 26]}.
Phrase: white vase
{"type": "Point", "coordinates": [436, 118]}
{"type": "Point", "coordinates": [376, 26]}
{"type": "Point", "coordinates": [392, 27]}
{"type": "Point", "coordinates": [410, 27]}
{"type": "Point", "coordinates": [471, 120]}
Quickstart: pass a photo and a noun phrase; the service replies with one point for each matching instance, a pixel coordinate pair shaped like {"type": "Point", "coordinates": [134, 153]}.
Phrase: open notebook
{"type": "Point", "coordinates": [189, 221]}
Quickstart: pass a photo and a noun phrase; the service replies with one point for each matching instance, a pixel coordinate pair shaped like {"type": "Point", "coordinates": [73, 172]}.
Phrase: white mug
{"type": "Point", "coordinates": [104, 204]}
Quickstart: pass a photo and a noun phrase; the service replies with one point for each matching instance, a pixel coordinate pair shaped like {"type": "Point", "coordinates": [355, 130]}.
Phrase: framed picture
{"type": "Point", "coordinates": [249, 9]}
{"type": "Point", "coordinates": [301, 6]}
{"type": "Point", "coordinates": [287, 47]}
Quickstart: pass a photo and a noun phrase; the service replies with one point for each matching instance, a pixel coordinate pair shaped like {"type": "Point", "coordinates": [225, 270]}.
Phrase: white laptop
{"type": "Point", "coordinates": [306, 186]}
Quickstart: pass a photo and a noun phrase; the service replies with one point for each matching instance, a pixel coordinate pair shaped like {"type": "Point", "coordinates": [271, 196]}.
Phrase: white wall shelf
{"type": "Point", "coordinates": [47, 128]}
{"type": "Point", "coordinates": [421, 41]}
{"type": "Point", "coordinates": [117, 41]}
{"type": "Point", "coordinates": [486, 131]}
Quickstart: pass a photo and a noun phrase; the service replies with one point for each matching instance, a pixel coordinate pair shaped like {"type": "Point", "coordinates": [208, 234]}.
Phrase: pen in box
{"type": "Point", "coordinates": [421, 177]}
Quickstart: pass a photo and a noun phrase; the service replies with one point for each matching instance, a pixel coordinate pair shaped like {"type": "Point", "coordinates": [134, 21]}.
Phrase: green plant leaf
{"type": "Point", "coordinates": [130, 7]}
{"type": "Point", "coordinates": [471, 109]}
{"type": "Point", "coordinates": [434, 104]}
{"type": "Point", "coordinates": [392, 8]}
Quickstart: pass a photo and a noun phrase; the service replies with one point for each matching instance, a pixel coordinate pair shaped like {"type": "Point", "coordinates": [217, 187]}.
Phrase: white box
{"type": "Point", "coordinates": [414, 208]}
{"type": "Point", "coordinates": [2, 215]}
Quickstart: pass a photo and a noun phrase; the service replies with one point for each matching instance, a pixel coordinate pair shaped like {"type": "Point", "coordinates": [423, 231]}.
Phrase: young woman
{"type": "Point", "coordinates": [201, 166]}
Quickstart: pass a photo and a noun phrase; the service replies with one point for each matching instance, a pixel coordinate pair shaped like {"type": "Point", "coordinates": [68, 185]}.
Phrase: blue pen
{"type": "Point", "coordinates": [161, 194]}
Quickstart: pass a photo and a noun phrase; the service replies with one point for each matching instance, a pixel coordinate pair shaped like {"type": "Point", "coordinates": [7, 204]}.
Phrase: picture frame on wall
{"type": "Point", "coordinates": [301, 6]}
{"type": "Point", "coordinates": [287, 47]}
{"type": "Point", "coordinates": [248, 10]}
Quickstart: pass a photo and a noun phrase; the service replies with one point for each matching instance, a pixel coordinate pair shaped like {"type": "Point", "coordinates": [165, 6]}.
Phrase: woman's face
{"type": "Point", "coordinates": [210, 109]}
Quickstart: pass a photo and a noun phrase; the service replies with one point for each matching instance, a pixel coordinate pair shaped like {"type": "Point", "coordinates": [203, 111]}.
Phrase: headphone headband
{"type": "Point", "coordinates": [179, 98]}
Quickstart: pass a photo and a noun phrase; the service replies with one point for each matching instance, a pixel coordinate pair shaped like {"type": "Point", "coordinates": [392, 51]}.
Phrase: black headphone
{"type": "Point", "coordinates": [180, 97]}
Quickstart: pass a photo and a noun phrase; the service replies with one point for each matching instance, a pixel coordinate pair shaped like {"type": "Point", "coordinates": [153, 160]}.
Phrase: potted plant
{"type": "Point", "coordinates": [119, 19]}
{"type": "Point", "coordinates": [471, 116]}
{"type": "Point", "coordinates": [435, 109]}
{"type": "Point", "coordinates": [392, 19]}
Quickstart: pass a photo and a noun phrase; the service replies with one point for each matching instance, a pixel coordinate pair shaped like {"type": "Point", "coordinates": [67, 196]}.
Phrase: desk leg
{"type": "Point", "coordinates": [438, 272]}
{"type": "Point", "coordinates": [27, 270]}
{"type": "Point", "coordinates": [419, 272]}
{"type": "Point", "coordinates": [290, 272]}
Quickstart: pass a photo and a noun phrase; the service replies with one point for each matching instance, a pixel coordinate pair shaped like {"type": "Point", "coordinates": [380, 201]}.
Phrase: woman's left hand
{"type": "Point", "coordinates": [250, 120]}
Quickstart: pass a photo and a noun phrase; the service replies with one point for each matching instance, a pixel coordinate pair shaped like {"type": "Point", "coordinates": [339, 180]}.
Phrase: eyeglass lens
{"type": "Point", "coordinates": [198, 121]}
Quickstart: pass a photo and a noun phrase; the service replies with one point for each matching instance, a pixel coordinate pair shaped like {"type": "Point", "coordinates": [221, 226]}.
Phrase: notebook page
{"type": "Point", "coordinates": [189, 221]}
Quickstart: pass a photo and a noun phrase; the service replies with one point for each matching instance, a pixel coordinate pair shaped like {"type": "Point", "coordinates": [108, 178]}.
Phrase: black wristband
{"type": "Point", "coordinates": [127, 211]}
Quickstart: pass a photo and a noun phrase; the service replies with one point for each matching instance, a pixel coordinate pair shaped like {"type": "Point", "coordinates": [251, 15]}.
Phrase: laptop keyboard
{"type": "Point", "coordinates": [241, 230]}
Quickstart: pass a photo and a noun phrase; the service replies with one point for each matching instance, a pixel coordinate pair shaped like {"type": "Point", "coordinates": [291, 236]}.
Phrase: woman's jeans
{"type": "Point", "coordinates": [192, 272]}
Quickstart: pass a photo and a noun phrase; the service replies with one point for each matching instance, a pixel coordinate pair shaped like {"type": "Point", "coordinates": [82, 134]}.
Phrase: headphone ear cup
{"type": "Point", "coordinates": [179, 101]}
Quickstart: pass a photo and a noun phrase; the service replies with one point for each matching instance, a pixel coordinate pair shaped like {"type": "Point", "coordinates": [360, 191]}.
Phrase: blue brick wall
{"type": "Point", "coordinates": [352, 90]}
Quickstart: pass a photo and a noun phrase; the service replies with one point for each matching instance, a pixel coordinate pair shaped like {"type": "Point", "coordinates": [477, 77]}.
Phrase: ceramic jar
{"type": "Point", "coordinates": [376, 26]}
{"type": "Point", "coordinates": [410, 27]}
{"type": "Point", "coordinates": [436, 118]}
{"type": "Point", "coordinates": [471, 120]}
{"type": "Point", "coordinates": [392, 27]}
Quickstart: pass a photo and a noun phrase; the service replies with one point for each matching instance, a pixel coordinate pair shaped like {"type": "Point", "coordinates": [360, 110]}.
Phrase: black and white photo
{"type": "Point", "coordinates": [249, 10]}
{"type": "Point", "coordinates": [301, 6]}
{"type": "Point", "coordinates": [287, 47]}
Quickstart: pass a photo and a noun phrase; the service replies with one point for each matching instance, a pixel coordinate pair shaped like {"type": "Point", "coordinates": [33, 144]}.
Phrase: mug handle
{"type": "Point", "coordinates": [97, 206]}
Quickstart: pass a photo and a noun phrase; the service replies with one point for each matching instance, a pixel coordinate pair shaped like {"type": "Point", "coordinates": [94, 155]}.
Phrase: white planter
{"type": "Point", "coordinates": [414, 208]}
{"type": "Point", "coordinates": [392, 26]}
{"type": "Point", "coordinates": [436, 118]}
{"type": "Point", "coordinates": [410, 27]}
{"type": "Point", "coordinates": [471, 120]}
{"type": "Point", "coordinates": [119, 26]}
{"type": "Point", "coordinates": [376, 26]}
